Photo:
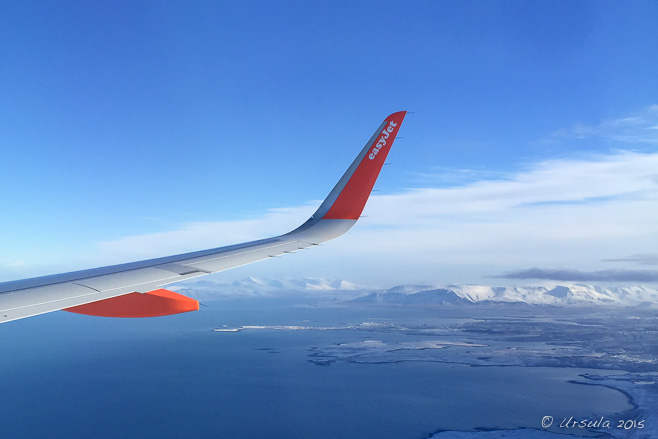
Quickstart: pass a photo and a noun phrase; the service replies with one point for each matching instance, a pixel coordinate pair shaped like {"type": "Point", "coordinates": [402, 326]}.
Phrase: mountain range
{"type": "Point", "coordinates": [453, 295]}
{"type": "Point", "coordinates": [557, 295]}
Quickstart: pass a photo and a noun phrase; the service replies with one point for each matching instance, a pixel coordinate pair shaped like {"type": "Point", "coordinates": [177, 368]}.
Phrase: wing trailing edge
{"type": "Point", "coordinates": [134, 289]}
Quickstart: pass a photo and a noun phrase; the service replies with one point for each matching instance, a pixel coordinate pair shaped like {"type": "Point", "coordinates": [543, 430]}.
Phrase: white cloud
{"type": "Point", "coordinates": [557, 213]}
{"type": "Point", "coordinates": [639, 128]}
{"type": "Point", "coordinates": [624, 174]}
{"type": "Point", "coordinates": [200, 235]}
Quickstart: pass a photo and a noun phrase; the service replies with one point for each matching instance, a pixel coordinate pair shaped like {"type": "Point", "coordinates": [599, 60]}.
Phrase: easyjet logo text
{"type": "Point", "coordinates": [386, 132]}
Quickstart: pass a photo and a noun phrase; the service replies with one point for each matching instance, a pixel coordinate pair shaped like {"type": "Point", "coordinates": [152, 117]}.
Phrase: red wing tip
{"type": "Point", "coordinates": [397, 115]}
{"type": "Point", "coordinates": [355, 192]}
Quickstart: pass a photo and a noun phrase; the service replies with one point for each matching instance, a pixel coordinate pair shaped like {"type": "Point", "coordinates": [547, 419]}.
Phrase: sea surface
{"type": "Point", "coordinates": [66, 375]}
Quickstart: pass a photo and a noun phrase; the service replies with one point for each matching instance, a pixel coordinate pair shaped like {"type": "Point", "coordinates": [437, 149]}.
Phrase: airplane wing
{"type": "Point", "coordinates": [134, 289]}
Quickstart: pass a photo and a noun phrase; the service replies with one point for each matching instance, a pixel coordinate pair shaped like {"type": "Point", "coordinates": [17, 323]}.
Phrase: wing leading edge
{"type": "Point", "coordinates": [133, 289]}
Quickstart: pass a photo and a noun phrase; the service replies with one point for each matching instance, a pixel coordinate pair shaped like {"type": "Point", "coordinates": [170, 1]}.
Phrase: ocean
{"type": "Point", "coordinates": [306, 372]}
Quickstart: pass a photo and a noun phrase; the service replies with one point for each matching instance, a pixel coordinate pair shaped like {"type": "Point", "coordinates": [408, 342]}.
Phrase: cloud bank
{"type": "Point", "coordinates": [567, 275]}
{"type": "Point", "coordinates": [644, 259]}
{"type": "Point", "coordinates": [573, 213]}
{"type": "Point", "coordinates": [638, 128]}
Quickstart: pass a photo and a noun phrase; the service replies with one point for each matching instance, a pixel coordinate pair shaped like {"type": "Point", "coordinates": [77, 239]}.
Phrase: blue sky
{"type": "Point", "coordinates": [141, 129]}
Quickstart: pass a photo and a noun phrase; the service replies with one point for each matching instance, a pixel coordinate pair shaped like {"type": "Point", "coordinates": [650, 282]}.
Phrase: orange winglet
{"type": "Point", "coordinates": [353, 197]}
{"type": "Point", "coordinates": [152, 304]}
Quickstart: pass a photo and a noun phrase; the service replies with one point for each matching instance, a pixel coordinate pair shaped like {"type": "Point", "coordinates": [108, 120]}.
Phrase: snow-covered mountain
{"type": "Point", "coordinates": [427, 297]}
{"type": "Point", "coordinates": [452, 295]}
{"type": "Point", "coordinates": [558, 295]}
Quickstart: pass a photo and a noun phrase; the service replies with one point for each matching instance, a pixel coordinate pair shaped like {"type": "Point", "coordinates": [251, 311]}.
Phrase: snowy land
{"type": "Point", "coordinates": [346, 293]}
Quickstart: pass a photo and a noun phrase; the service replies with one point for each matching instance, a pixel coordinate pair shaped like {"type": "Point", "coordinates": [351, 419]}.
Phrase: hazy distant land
{"type": "Point", "coordinates": [425, 294]}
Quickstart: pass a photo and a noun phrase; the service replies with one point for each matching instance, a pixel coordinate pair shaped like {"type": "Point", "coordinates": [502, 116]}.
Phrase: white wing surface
{"type": "Point", "coordinates": [134, 289]}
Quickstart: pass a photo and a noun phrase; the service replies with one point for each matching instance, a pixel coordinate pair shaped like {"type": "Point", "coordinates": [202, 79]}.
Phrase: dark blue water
{"type": "Point", "coordinates": [65, 375]}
